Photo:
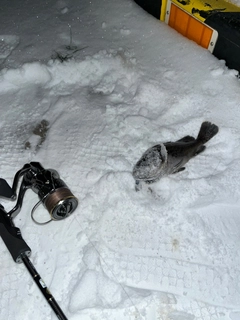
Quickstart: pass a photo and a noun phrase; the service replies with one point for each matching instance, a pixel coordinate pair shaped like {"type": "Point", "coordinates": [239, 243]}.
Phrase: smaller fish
{"type": "Point", "coordinates": [170, 157]}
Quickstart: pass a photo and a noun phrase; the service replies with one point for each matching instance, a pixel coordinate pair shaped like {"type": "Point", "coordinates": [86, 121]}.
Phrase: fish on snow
{"type": "Point", "coordinates": [170, 157]}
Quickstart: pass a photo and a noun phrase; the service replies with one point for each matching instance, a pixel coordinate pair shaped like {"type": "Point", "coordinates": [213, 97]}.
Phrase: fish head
{"type": "Point", "coordinates": [151, 165]}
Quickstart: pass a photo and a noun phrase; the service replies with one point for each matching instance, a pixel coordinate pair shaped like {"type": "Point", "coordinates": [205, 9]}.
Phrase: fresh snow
{"type": "Point", "coordinates": [171, 253]}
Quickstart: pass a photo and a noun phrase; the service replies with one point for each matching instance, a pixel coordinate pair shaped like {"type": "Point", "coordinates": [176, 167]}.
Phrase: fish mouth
{"type": "Point", "coordinates": [138, 175]}
{"type": "Point", "coordinates": [149, 172]}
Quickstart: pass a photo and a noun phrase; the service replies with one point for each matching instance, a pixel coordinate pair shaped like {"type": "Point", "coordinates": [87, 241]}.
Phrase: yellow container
{"type": "Point", "coordinates": [213, 24]}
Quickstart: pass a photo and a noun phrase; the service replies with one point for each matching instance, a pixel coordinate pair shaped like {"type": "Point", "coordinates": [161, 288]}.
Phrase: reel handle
{"type": "Point", "coordinates": [12, 237]}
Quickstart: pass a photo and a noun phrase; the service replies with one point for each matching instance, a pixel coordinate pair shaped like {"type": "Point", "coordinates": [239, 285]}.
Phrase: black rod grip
{"type": "Point", "coordinates": [12, 237]}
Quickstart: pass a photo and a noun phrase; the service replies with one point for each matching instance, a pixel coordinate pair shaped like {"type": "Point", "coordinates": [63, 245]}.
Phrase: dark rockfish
{"type": "Point", "coordinates": [170, 157]}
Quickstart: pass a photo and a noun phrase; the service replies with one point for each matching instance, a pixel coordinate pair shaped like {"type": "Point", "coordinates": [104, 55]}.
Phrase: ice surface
{"type": "Point", "coordinates": [169, 253]}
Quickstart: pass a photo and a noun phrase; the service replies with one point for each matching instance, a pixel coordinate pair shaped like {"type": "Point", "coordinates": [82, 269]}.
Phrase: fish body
{"type": "Point", "coordinates": [170, 157]}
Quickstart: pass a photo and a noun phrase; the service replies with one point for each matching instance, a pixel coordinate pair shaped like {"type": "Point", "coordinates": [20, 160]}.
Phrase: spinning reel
{"type": "Point", "coordinates": [51, 190]}
{"type": "Point", "coordinates": [56, 197]}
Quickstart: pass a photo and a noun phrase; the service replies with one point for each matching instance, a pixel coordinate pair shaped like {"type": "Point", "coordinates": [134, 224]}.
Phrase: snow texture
{"type": "Point", "coordinates": [89, 106]}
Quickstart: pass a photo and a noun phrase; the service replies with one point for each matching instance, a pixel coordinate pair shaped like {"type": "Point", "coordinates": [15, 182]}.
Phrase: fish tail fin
{"type": "Point", "coordinates": [207, 131]}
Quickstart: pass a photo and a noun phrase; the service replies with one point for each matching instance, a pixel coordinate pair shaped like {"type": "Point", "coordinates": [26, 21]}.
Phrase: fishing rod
{"type": "Point", "coordinates": [56, 197]}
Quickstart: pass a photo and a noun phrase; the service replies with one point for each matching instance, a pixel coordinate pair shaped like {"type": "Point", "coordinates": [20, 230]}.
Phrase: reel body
{"type": "Point", "coordinates": [52, 191]}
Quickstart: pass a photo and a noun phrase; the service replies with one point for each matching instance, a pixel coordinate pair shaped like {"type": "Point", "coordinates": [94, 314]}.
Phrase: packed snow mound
{"type": "Point", "coordinates": [29, 74]}
{"type": "Point", "coordinates": [100, 105]}
{"type": "Point", "coordinates": [104, 72]}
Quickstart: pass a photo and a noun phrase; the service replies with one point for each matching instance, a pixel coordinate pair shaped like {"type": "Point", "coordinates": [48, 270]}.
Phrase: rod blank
{"type": "Point", "coordinates": [43, 288]}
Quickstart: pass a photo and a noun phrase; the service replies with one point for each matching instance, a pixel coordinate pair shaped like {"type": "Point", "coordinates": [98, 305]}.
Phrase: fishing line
{"type": "Point", "coordinates": [111, 271]}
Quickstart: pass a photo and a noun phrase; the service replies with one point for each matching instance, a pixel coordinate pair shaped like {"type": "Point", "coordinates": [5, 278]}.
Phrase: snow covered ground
{"type": "Point", "coordinates": [132, 82]}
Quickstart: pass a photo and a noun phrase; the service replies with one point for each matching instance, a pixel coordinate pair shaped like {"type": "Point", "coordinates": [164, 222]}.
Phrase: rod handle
{"type": "Point", "coordinates": [12, 237]}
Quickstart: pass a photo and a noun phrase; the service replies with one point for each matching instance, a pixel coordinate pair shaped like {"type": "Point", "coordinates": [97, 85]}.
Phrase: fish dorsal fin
{"type": "Point", "coordinates": [187, 139]}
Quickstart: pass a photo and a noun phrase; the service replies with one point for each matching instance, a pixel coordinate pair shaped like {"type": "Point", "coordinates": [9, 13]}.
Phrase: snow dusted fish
{"type": "Point", "coordinates": [170, 157]}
